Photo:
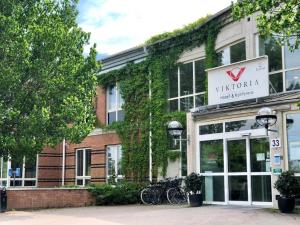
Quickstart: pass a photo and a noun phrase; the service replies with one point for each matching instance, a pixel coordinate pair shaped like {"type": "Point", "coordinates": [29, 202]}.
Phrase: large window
{"type": "Point", "coordinates": [233, 53]}
{"type": "Point", "coordinates": [187, 86]}
{"type": "Point", "coordinates": [83, 166]}
{"type": "Point", "coordinates": [114, 156]}
{"type": "Point", "coordinates": [293, 140]}
{"type": "Point", "coordinates": [284, 65]}
{"type": "Point", "coordinates": [26, 177]}
{"type": "Point", "coordinates": [114, 104]}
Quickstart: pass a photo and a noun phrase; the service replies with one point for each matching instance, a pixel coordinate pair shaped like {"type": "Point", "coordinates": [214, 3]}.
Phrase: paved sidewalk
{"type": "Point", "coordinates": [150, 215]}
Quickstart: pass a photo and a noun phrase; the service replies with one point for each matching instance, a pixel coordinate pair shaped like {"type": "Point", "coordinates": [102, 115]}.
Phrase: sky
{"type": "Point", "coordinates": [116, 25]}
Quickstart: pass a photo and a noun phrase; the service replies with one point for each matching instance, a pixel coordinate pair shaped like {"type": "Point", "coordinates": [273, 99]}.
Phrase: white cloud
{"type": "Point", "coordinates": [117, 25]}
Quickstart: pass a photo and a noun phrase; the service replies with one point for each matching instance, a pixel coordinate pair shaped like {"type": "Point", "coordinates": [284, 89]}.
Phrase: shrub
{"type": "Point", "coordinates": [193, 183]}
{"type": "Point", "coordinates": [120, 194]}
{"type": "Point", "coordinates": [286, 184]}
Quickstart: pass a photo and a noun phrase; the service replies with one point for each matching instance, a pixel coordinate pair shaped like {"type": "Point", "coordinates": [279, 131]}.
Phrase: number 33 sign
{"type": "Point", "coordinates": [275, 143]}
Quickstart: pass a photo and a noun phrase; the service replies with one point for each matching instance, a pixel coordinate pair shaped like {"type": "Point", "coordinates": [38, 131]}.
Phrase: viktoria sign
{"type": "Point", "coordinates": [239, 81]}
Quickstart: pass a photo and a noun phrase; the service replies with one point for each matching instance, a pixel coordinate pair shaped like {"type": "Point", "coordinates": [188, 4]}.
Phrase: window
{"type": "Point", "coordinates": [187, 86]}
{"type": "Point", "coordinates": [284, 65]}
{"type": "Point", "coordinates": [27, 176]}
{"type": "Point", "coordinates": [293, 140]}
{"type": "Point", "coordinates": [114, 104]}
{"type": "Point", "coordinates": [114, 156]}
{"type": "Point", "coordinates": [83, 167]}
{"type": "Point", "coordinates": [233, 53]}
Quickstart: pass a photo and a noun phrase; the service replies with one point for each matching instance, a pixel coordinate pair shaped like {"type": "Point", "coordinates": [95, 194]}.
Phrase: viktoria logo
{"type": "Point", "coordinates": [237, 70]}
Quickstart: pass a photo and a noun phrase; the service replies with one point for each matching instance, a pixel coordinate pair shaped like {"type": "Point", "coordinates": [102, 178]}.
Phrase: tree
{"type": "Point", "coordinates": [279, 18]}
{"type": "Point", "coordinates": [47, 86]}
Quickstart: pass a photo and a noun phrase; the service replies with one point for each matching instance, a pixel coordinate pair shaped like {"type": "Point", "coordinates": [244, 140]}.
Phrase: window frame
{"type": "Point", "coordinates": [180, 97]}
{"type": "Point", "coordinates": [283, 70]}
{"type": "Point", "coordinates": [23, 179]}
{"type": "Point", "coordinates": [118, 105]}
{"type": "Point", "coordinates": [84, 177]}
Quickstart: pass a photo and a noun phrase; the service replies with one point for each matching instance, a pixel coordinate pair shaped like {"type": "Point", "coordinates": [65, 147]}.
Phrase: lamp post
{"type": "Point", "coordinates": [266, 118]}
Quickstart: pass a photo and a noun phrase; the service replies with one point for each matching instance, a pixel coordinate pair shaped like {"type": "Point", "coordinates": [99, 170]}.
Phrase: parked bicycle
{"type": "Point", "coordinates": [176, 194]}
{"type": "Point", "coordinates": [169, 190]}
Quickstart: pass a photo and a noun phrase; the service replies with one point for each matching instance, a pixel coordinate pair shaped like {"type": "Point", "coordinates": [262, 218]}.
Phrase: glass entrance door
{"type": "Point", "coordinates": [237, 170]}
{"type": "Point", "coordinates": [249, 176]}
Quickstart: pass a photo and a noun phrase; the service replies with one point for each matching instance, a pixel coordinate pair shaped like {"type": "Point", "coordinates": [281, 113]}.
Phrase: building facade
{"type": "Point", "coordinates": [239, 159]}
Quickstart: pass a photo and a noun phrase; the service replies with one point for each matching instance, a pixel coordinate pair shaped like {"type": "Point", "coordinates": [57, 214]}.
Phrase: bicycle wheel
{"type": "Point", "coordinates": [176, 196]}
{"type": "Point", "coordinates": [146, 196]}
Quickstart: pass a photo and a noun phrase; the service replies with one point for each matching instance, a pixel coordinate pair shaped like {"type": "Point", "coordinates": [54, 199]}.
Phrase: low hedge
{"type": "Point", "coordinates": [119, 194]}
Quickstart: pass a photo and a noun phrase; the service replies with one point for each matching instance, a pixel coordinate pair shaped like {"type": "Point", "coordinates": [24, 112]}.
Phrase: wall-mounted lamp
{"type": "Point", "coordinates": [266, 118]}
{"type": "Point", "coordinates": [175, 129]}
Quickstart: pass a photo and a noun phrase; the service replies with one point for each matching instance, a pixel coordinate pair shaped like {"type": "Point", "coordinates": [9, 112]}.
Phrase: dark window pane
{"type": "Point", "coordinates": [199, 100]}
{"type": "Point", "coordinates": [121, 115]}
{"type": "Point", "coordinates": [87, 181]}
{"type": "Point", "coordinates": [186, 79]}
{"type": "Point", "coordinates": [292, 59]}
{"type": "Point", "coordinates": [238, 188]}
{"type": "Point", "coordinates": [260, 155]}
{"type": "Point", "coordinates": [238, 52]}
{"type": "Point", "coordinates": [211, 129]}
{"type": "Point", "coordinates": [292, 80]}
{"type": "Point", "coordinates": [88, 162]}
{"type": "Point", "coordinates": [237, 155]}
{"type": "Point", "coordinates": [111, 117]}
{"type": "Point", "coordinates": [3, 183]}
{"type": "Point", "coordinates": [173, 83]}
{"type": "Point", "coordinates": [30, 168]}
{"type": "Point", "coordinates": [273, 50]}
{"type": "Point", "coordinates": [173, 105]}
{"type": "Point", "coordinates": [261, 188]}
{"type": "Point", "coordinates": [186, 103]}
{"type": "Point", "coordinates": [79, 163]}
{"type": "Point", "coordinates": [276, 83]}
{"type": "Point", "coordinates": [213, 189]}
{"type": "Point", "coordinates": [211, 156]}
{"type": "Point", "coordinates": [17, 183]}
{"type": "Point", "coordinates": [293, 131]}
{"type": "Point", "coordinates": [241, 125]}
{"type": "Point", "coordinates": [200, 75]}
{"type": "Point", "coordinates": [80, 182]}
{"type": "Point", "coordinates": [29, 183]}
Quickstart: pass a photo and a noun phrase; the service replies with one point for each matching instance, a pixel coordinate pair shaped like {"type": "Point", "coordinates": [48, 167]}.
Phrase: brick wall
{"type": "Point", "coordinates": [48, 198]}
{"type": "Point", "coordinates": [50, 160]}
{"type": "Point", "coordinates": [50, 167]}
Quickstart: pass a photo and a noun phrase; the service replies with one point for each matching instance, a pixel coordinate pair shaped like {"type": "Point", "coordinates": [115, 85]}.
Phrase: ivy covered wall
{"type": "Point", "coordinates": [144, 112]}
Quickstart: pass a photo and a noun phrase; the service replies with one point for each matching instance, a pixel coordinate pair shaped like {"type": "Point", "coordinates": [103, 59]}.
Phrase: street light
{"type": "Point", "coordinates": [266, 118]}
{"type": "Point", "coordinates": [175, 129]}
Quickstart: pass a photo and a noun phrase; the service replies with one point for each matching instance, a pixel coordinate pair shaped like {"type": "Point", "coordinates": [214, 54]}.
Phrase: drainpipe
{"type": "Point", "coordinates": [150, 133]}
{"type": "Point", "coordinates": [63, 163]}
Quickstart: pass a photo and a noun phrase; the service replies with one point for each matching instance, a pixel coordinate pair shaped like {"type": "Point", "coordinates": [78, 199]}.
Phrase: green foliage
{"type": "Point", "coordinates": [135, 81]}
{"type": "Point", "coordinates": [193, 183]}
{"type": "Point", "coordinates": [173, 155]}
{"type": "Point", "coordinates": [280, 18]}
{"type": "Point", "coordinates": [120, 194]}
{"type": "Point", "coordinates": [185, 29]}
{"type": "Point", "coordinates": [287, 184]}
{"type": "Point", "coordinates": [47, 86]}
